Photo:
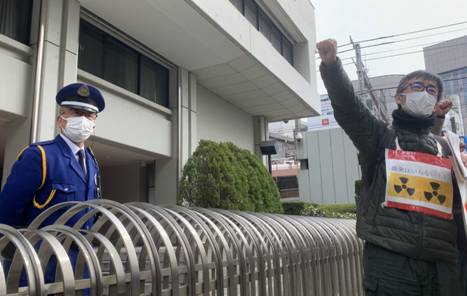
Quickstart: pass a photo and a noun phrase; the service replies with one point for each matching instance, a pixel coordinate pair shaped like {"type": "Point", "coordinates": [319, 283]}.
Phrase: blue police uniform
{"type": "Point", "coordinates": [48, 173]}
{"type": "Point", "coordinates": [21, 200]}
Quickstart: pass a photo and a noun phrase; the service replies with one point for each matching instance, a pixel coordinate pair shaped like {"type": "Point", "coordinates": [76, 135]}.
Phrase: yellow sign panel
{"type": "Point", "coordinates": [420, 189]}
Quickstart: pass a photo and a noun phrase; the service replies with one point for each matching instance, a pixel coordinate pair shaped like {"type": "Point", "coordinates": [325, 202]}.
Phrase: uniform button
{"type": "Point", "coordinates": [66, 189]}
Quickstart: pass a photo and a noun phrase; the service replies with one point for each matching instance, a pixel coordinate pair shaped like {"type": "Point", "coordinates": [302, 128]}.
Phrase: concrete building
{"type": "Point", "coordinates": [172, 72]}
{"type": "Point", "coordinates": [449, 60]}
{"type": "Point", "coordinates": [328, 159]}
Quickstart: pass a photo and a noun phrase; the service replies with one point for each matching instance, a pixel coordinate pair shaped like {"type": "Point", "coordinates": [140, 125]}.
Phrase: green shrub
{"type": "Point", "coordinates": [348, 211]}
{"type": "Point", "coordinates": [221, 175]}
{"type": "Point", "coordinates": [294, 208]}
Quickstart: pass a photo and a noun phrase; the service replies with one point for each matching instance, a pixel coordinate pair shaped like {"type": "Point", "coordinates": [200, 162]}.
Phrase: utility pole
{"type": "Point", "coordinates": [364, 83]}
{"type": "Point", "coordinates": [360, 67]}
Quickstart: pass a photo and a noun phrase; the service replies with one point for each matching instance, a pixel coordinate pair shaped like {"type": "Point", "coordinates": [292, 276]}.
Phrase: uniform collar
{"type": "Point", "coordinates": [73, 147]}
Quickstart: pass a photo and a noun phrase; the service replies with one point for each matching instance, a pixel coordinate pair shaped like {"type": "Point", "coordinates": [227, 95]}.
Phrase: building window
{"type": "Point", "coordinates": [238, 4]}
{"type": "Point", "coordinates": [108, 58]}
{"type": "Point", "coordinates": [15, 19]}
{"type": "Point", "coordinates": [251, 12]}
{"type": "Point", "coordinates": [263, 23]}
{"type": "Point", "coordinates": [287, 50]}
{"type": "Point", "coordinates": [304, 164]}
{"type": "Point", "coordinates": [154, 82]}
{"type": "Point", "coordinates": [276, 38]}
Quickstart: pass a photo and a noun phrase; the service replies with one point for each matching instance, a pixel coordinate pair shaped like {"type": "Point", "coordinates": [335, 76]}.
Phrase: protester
{"type": "Point", "coordinates": [409, 210]}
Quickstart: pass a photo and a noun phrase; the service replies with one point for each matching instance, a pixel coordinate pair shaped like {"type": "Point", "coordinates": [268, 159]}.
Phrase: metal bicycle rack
{"type": "Point", "coordinates": [144, 249]}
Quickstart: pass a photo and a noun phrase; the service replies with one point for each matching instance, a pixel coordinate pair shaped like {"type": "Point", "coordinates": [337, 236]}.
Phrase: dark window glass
{"type": "Point", "coordinates": [304, 164]}
{"type": "Point", "coordinates": [238, 4]}
{"type": "Point", "coordinates": [154, 82]}
{"type": "Point", "coordinates": [121, 64]}
{"type": "Point", "coordinates": [265, 25]}
{"type": "Point", "coordinates": [287, 182]}
{"type": "Point", "coordinates": [287, 50]}
{"type": "Point", "coordinates": [91, 49]}
{"type": "Point", "coordinates": [276, 38]}
{"type": "Point", "coordinates": [106, 57]}
{"type": "Point", "coordinates": [15, 19]}
{"type": "Point", "coordinates": [251, 12]}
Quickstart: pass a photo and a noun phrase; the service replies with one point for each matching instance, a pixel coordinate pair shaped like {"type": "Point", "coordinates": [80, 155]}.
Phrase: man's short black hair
{"type": "Point", "coordinates": [421, 74]}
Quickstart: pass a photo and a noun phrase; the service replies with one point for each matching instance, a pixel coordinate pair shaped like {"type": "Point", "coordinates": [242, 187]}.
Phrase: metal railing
{"type": "Point", "coordinates": [144, 249]}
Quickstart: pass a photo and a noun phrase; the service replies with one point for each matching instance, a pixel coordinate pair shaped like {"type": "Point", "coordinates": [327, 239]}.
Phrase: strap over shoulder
{"type": "Point", "coordinates": [43, 161]}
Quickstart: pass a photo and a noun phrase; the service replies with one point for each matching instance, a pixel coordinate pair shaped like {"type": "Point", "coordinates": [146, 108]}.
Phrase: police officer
{"type": "Point", "coordinates": [55, 171]}
{"type": "Point", "coordinates": [59, 170]}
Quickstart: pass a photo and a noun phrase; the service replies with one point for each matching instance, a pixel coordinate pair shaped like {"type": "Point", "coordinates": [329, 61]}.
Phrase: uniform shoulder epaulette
{"type": "Point", "coordinates": [43, 143]}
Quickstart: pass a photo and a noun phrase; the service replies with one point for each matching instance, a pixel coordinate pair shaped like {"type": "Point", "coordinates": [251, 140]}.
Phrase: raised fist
{"type": "Point", "coordinates": [443, 107]}
{"type": "Point", "coordinates": [327, 50]}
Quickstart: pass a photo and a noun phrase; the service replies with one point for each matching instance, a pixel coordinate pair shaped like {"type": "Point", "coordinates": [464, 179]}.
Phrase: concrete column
{"type": "Point", "coordinates": [60, 60]}
{"type": "Point", "coordinates": [261, 133]}
{"type": "Point", "coordinates": [189, 139]}
{"type": "Point", "coordinates": [184, 138]}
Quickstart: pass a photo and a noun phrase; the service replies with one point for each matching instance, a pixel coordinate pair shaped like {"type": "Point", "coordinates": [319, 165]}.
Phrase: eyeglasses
{"type": "Point", "coordinates": [89, 115]}
{"type": "Point", "coordinates": [419, 87]}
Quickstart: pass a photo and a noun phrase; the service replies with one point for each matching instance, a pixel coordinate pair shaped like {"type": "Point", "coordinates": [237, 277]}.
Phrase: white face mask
{"type": "Point", "coordinates": [78, 129]}
{"type": "Point", "coordinates": [419, 104]}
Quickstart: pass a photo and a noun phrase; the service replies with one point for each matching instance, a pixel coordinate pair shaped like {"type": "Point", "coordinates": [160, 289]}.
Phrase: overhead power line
{"type": "Point", "coordinates": [415, 51]}
{"type": "Point", "coordinates": [403, 34]}
{"type": "Point", "coordinates": [412, 32]}
{"type": "Point", "coordinates": [413, 38]}
{"type": "Point", "coordinates": [408, 47]}
{"type": "Point", "coordinates": [402, 40]}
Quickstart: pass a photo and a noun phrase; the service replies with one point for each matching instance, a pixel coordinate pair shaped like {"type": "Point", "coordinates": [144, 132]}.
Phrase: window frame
{"type": "Point", "coordinates": [273, 27]}
{"type": "Point", "coordinates": [141, 50]}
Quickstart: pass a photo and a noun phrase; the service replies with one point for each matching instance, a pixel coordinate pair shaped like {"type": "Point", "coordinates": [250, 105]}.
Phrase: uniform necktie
{"type": "Point", "coordinates": [82, 160]}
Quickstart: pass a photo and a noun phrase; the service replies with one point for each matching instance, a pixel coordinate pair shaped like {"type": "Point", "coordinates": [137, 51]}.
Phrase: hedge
{"type": "Point", "coordinates": [221, 175]}
{"type": "Point", "coordinates": [348, 211]}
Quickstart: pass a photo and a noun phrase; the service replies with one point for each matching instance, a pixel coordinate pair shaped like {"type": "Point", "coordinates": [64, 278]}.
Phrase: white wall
{"type": "Point", "coordinates": [299, 22]}
{"type": "Point", "coordinates": [333, 167]}
{"type": "Point", "coordinates": [130, 119]}
{"type": "Point", "coordinates": [15, 77]}
{"type": "Point", "coordinates": [220, 121]}
{"type": "Point", "coordinates": [15, 101]}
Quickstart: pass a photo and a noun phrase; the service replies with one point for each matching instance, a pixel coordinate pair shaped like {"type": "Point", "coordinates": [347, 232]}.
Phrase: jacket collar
{"type": "Point", "coordinates": [66, 151]}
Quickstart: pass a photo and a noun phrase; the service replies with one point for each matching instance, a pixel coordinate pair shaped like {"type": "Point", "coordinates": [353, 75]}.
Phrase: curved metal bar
{"type": "Point", "coordinates": [25, 256]}
{"type": "Point", "coordinates": [149, 247]}
{"type": "Point", "coordinates": [181, 238]}
{"type": "Point", "coordinates": [140, 248]}
{"type": "Point", "coordinates": [198, 246]}
{"type": "Point", "coordinates": [125, 238]}
{"type": "Point", "coordinates": [241, 248]}
{"type": "Point", "coordinates": [86, 251]}
{"type": "Point", "coordinates": [117, 263]}
{"type": "Point", "coordinates": [211, 231]}
{"type": "Point", "coordinates": [161, 232]}
{"type": "Point", "coordinates": [49, 246]}
{"type": "Point", "coordinates": [257, 283]}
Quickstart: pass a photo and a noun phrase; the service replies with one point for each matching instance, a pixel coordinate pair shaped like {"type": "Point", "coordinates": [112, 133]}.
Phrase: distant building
{"type": "Point", "coordinates": [328, 159]}
{"type": "Point", "coordinates": [449, 60]}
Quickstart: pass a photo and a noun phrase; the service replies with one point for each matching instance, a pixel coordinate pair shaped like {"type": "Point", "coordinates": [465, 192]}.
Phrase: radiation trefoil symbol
{"type": "Point", "coordinates": [403, 186]}
{"type": "Point", "coordinates": [434, 193]}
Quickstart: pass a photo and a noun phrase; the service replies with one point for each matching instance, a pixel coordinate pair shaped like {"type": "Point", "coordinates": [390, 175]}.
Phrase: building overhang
{"type": "Point", "coordinates": [228, 55]}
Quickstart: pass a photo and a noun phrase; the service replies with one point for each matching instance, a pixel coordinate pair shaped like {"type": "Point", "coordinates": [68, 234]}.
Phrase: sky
{"type": "Point", "coordinates": [366, 19]}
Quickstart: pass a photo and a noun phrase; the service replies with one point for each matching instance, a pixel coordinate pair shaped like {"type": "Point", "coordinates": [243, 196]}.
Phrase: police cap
{"type": "Point", "coordinates": [81, 96]}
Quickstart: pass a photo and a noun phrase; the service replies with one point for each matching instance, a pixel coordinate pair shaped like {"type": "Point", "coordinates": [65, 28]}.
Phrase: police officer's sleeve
{"type": "Point", "coordinates": [20, 187]}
